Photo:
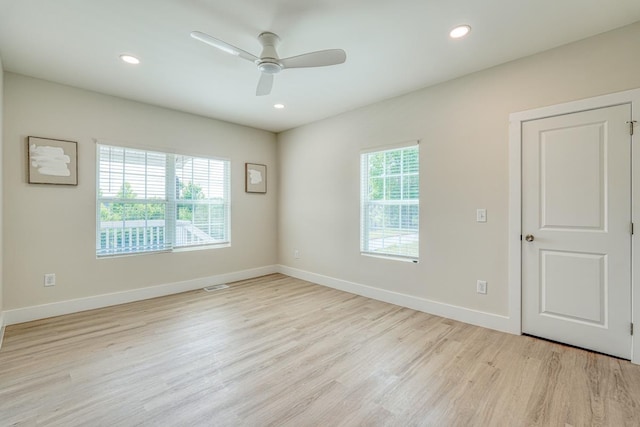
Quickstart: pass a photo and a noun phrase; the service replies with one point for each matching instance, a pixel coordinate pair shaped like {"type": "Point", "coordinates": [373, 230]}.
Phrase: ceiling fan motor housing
{"type": "Point", "coordinates": [269, 62]}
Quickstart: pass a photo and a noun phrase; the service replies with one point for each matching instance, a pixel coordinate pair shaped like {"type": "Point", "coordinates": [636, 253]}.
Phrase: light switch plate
{"type": "Point", "coordinates": [481, 215]}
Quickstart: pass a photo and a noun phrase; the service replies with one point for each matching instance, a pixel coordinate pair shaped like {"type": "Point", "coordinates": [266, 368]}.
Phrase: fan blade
{"type": "Point", "coordinates": [320, 58]}
{"type": "Point", "coordinates": [223, 46]}
{"type": "Point", "coordinates": [264, 84]}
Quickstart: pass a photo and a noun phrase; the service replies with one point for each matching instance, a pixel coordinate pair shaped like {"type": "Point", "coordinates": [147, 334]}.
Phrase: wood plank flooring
{"type": "Point", "coordinates": [277, 351]}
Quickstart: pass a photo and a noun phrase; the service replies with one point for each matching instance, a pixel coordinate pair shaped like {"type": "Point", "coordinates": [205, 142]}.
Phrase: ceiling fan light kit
{"type": "Point", "coordinates": [270, 67]}
{"type": "Point", "coordinates": [269, 63]}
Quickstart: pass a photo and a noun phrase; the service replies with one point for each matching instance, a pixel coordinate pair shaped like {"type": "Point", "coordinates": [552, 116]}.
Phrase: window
{"type": "Point", "coordinates": [150, 201]}
{"type": "Point", "coordinates": [389, 202]}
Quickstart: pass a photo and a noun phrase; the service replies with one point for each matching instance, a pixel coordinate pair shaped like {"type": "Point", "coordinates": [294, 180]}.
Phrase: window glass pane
{"type": "Point", "coordinates": [131, 227]}
{"type": "Point", "coordinates": [219, 221]}
{"type": "Point", "coordinates": [186, 232]}
{"type": "Point", "coordinates": [376, 189]}
{"type": "Point", "coordinates": [111, 170]}
{"type": "Point", "coordinates": [375, 217]}
{"type": "Point", "coordinates": [409, 218]}
{"type": "Point", "coordinates": [393, 161]}
{"type": "Point", "coordinates": [127, 174]}
{"type": "Point", "coordinates": [201, 217]}
{"type": "Point", "coordinates": [390, 192]}
{"type": "Point", "coordinates": [156, 176]}
{"type": "Point", "coordinates": [410, 161]}
{"type": "Point", "coordinates": [392, 188]}
{"type": "Point", "coordinates": [202, 186]}
{"type": "Point", "coordinates": [135, 207]}
{"type": "Point", "coordinates": [392, 217]}
{"type": "Point", "coordinates": [410, 187]}
{"type": "Point", "coordinates": [155, 211]}
{"type": "Point", "coordinates": [376, 164]}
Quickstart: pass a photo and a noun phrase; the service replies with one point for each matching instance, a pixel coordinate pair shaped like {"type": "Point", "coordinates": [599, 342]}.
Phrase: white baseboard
{"type": "Point", "coordinates": [27, 314]}
{"type": "Point", "coordinates": [474, 317]}
{"type": "Point", "coordinates": [466, 315]}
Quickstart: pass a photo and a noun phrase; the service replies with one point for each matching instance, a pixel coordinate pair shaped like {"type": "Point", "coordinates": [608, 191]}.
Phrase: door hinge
{"type": "Point", "coordinates": [631, 329]}
{"type": "Point", "coordinates": [631, 124]}
{"type": "Point", "coordinates": [631, 228]}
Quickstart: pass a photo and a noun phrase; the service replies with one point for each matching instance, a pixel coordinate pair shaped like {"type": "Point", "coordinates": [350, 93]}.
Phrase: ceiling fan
{"type": "Point", "coordinates": [269, 63]}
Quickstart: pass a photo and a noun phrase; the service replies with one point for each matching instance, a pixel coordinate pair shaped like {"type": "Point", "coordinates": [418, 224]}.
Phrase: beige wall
{"type": "Point", "coordinates": [463, 128]}
{"type": "Point", "coordinates": [51, 229]}
{"type": "Point", "coordinates": [1, 190]}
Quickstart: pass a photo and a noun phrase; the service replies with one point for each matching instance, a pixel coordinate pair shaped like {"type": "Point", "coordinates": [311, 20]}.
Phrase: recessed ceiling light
{"type": "Point", "coordinates": [130, 59]}
{"type": "Point", "coordinates": [459, 31]}
{"type": "Point", "coordinates": [278, 106]}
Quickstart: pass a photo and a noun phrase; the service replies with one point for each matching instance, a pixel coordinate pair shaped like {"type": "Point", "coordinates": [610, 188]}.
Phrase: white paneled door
{"type": "Point", "coordinates": [576, 229]}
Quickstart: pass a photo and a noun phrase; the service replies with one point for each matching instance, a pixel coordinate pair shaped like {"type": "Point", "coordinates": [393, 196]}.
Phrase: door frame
{"type": "Point", "coordinates": [631, 97]}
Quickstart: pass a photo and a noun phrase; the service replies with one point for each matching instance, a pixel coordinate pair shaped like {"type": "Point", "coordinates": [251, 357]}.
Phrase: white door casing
{"type": "Point", "coordinates": [576, 210]}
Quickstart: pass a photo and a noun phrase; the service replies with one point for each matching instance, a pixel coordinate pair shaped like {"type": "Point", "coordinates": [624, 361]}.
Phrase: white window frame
{"type": "Point", "coordinates": [170, 201]}
{"type": "Point", "coordinates": [364, 202]}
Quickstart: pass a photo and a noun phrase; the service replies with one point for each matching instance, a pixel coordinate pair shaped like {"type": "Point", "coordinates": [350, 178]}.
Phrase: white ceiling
{"type": "Point", "coordinates": [393, 47]}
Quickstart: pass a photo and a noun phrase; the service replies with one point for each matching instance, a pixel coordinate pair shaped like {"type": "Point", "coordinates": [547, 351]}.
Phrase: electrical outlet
{"type": "Point", "coordinates": [296, 254]}
{"type": "Point", "coordinates": [50, 279]}
{"type": "Point", "coordinates": [481, 286]}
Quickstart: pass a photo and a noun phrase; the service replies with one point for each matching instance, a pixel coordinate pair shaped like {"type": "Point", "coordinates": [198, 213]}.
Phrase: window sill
{"type": "Point", "coordinates": [166, 251]}
{"type": "Point", "coordinates": [201, 247]}
{"type": "Point", "coordinates": [391, 257]}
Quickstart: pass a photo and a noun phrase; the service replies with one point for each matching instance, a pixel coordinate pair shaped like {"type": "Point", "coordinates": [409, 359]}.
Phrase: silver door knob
{"type": "Point", "coordinates": [529, 238]}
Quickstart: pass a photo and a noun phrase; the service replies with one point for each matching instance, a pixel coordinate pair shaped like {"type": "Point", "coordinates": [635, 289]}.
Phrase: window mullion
{"type": "Point", "coordinates": [170, 210]}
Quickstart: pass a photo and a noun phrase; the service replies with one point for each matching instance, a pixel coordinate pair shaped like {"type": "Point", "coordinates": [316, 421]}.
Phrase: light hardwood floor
{"type": "Point", "coordinates": [277, 351]}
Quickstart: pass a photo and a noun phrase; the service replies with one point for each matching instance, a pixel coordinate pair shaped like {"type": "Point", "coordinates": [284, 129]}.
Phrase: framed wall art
{"type": "Point", "coordinates": [52, 161]}
{"type": "Point", "coordinates": [255, 178]}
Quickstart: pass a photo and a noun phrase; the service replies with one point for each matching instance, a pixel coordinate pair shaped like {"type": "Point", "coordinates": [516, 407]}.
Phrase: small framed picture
{"type": "Point", "coordinates": [255, 178]}
{"type": "Point", "coordinates": [52, 161]}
